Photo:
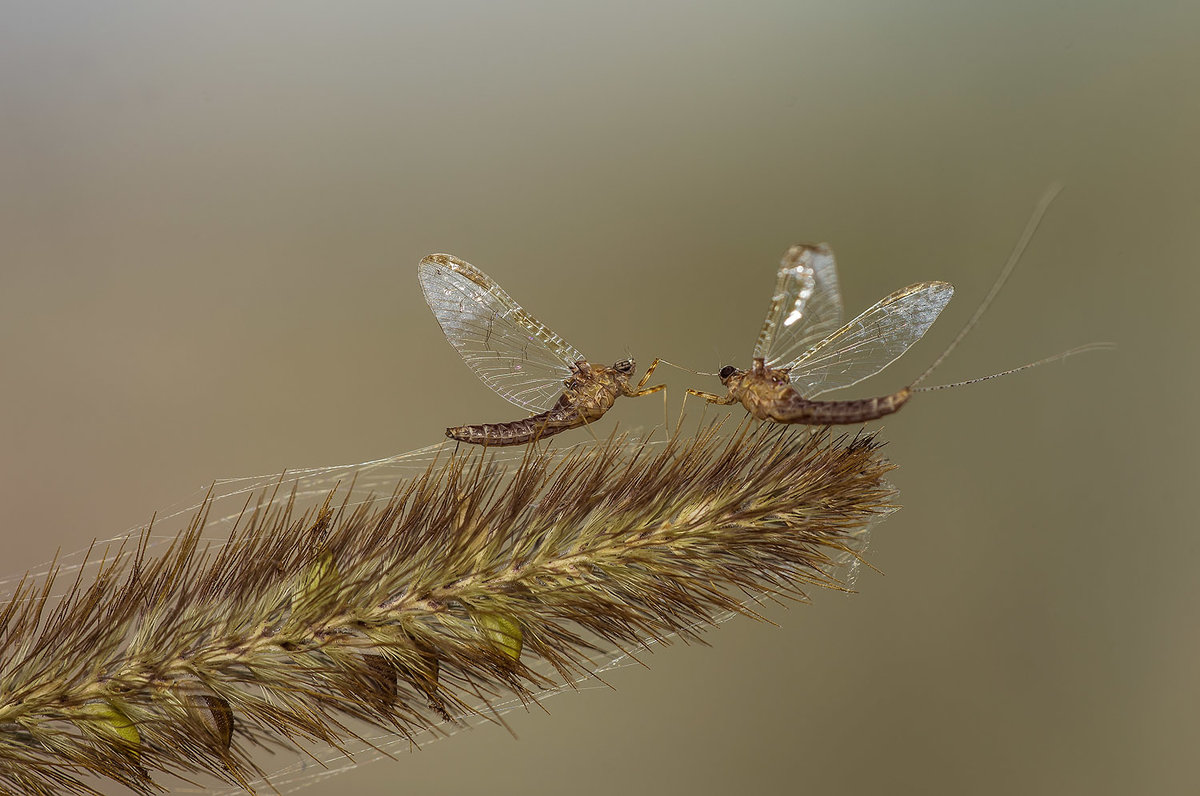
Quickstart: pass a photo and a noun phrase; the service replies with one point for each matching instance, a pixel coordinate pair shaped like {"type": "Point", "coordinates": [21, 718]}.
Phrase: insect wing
{"type": "Point", "coordinates": [510, 350]}
{"type": "Point", "coordinates": [805, 308]}
{"type": "Point", "coordinates": [872, 341]}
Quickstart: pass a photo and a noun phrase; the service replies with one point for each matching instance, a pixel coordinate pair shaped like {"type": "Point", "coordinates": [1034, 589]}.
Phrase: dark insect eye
{"type": "Point", "coordinates": [726, 372]}
{"type": "Point", "coordinates": [626, 366]}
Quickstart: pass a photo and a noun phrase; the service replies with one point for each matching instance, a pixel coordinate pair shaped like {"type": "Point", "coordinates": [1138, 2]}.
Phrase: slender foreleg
{"type": "Point", "coordinates": [641, 388]}
{"type": "Point", "coordinates": [720, 400]}
{"type": "Point", "coordinates": [723, 400]}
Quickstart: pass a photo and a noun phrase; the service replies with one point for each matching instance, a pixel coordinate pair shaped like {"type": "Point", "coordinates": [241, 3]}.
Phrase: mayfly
{"type": "Point", "coordinates": [804, 350]}
{"type": "Point", "coordinates": [519, 357]}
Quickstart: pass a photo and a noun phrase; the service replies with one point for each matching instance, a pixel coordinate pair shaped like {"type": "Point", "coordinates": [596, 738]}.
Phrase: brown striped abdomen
{"type": "Point", "coordinates": [518, 432]}
{"type": "Point", "coordinates": [795, 409]}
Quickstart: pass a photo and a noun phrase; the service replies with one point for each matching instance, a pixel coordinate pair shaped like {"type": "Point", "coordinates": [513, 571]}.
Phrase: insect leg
{"type": "Point", "coordinates": [709, 398]}
{"type": "Point", "coordinates": [646, 375]}
{"type": "Point", "coordinates": [682, 408]}
{"type": "Point", "coordinates": [647, 391]}
{"type": "Point", "coordinates": [723, 400]}
{"type": "Point", "coordinates": [641, 388]}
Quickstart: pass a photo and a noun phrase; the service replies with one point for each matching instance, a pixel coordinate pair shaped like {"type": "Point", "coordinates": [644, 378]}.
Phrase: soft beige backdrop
{"type": "Point", "coordinates": [210, 220]}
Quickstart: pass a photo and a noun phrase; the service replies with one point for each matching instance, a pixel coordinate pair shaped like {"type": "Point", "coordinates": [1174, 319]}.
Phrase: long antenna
{"type": "Point", "coordinates": [1031, 227]}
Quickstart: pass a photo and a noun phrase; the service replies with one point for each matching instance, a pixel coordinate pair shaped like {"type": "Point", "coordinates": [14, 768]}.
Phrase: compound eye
{"type": "Point", "coordinates": [626, 366]}
{"type": "Point", "coordinates": [726, 372]}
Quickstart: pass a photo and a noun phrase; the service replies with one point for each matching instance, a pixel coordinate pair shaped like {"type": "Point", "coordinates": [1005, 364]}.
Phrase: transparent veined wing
{"type": "Point", "coordinates": [510, 350]}
{"type": "Point", "coordinates": [805, 307]}
{"type": "Point", "coordinates": [872, 341]}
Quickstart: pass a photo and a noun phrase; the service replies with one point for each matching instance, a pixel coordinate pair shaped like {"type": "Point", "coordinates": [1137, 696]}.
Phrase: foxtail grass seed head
{"type": "Point", "coordinates": [468, 584]}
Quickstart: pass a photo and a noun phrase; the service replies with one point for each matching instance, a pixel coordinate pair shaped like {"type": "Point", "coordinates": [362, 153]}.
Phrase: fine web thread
{"type": "Point", "coordinates": [229, 499]}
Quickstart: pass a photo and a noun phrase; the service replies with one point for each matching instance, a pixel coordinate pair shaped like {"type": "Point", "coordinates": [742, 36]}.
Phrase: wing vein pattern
{"type": "Point", "coordinates": [805, 307]}
{"type": "Point", "coordinates": [872, 341]}
{"type": "Point", "coordinates": [511, 351]}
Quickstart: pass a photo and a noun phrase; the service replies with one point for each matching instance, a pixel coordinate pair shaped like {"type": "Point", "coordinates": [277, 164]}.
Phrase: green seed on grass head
{"type": "Point", "coordinates": [503, 631]}
{"type": "Point", "coordinates": [109, 722]}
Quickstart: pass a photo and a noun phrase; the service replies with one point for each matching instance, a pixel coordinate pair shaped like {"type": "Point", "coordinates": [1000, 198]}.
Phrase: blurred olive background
{"type": "Point", "coordinates": [211, 216]}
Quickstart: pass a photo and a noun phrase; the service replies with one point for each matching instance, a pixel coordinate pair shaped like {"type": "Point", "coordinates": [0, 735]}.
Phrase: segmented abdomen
{"type": "Point", "coordinates": [795, 409]}
{"type": "Point", "coordinates": [518, 432]}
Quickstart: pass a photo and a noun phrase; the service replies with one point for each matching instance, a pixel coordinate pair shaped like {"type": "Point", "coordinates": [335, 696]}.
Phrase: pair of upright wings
{"type": "Point", "coordinates": [524, 361]}
{"type": "Point", "coordinates": [803, 329]}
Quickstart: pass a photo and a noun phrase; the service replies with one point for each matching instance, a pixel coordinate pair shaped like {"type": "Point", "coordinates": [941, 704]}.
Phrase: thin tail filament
{"type": "Point", "coordinates": [1014, 257]}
